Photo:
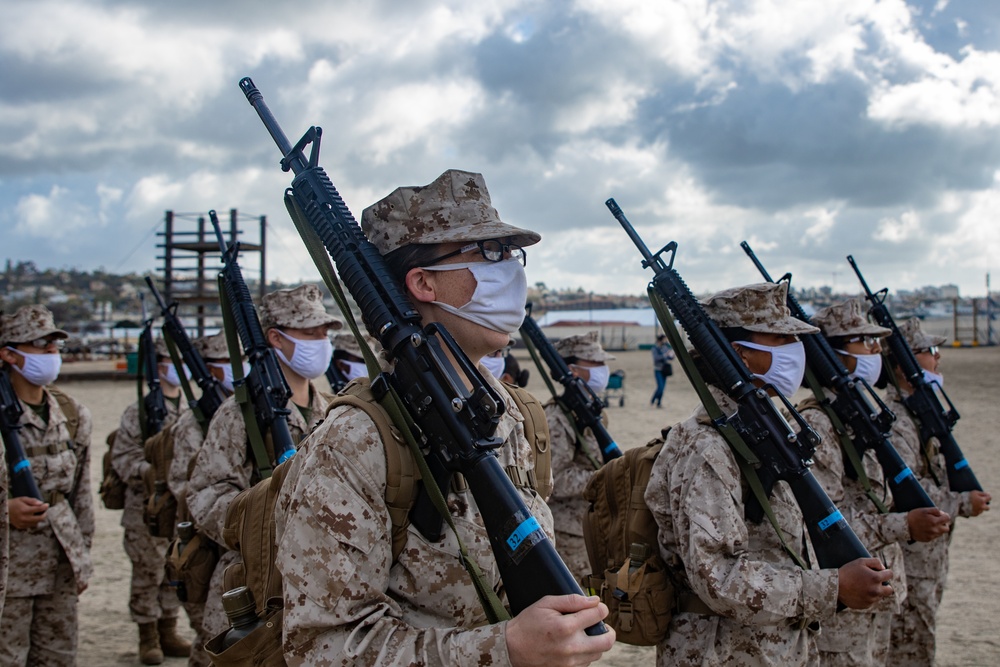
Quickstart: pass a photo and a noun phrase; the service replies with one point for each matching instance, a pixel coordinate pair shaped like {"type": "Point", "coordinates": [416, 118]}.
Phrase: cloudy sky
{"type": "Point", "coordinates": [813, 129]}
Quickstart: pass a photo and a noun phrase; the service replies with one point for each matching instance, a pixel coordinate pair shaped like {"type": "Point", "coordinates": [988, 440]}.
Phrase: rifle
{"type": "Point", "coordinates": [923, 403]}
{"type": "Point", "coordinates": [454, 411]}
{"type": "Point", "coordinates": [153, 407]}
{"type": "Point", "coordinates": [22, 482]}
{"type": "Point", "coordinates": [212, 394]}
{"type": "Point", "coordinates": [578, 399]}
{"type": "Point", "coordinates": [869, 428]}
{"type": "Point", "coordinates": [783, 454]}
{"type": "Point", "coordinates": [335, 377]}
{"type": "Point", "coordinates": [268, 390]}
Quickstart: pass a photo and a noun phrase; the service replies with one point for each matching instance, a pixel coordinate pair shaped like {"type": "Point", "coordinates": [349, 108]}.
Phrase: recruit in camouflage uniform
{"type": "Point", "coordinates": [153, 603]}
{"type": "Point", "coordinates": [762, 609]}
{"type": "Point", "coordinates": [4, 532]}
{"type": "Point", "coordinates": [346, 600]}
{"type": "Point", "coordinates": [914, 628]}
{"type": "Point", "coordinates": [188, 436]}
{"type": "Point", "coordinates": [224, 466]}
{"type": "Point", "coordinates": [857, 637]}
{"type": "Point", "coordinates": [51, 561]}
{"type": "Point", "coordinates": [573, 462]}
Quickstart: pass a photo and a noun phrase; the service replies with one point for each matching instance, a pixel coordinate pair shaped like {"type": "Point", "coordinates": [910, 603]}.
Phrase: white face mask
{"type": "Point", "coordinates": [934, 379]}
{"type": "Point", "coordinates": [227, 373]}
{"type": "Point", "coordinates": [495, 365]}
{"type": "Point", "coordinates": [869, 366]}
{"type": "Point", "coordinates": [310, 359]}
{"type": "Point", "coordinates": [171, 377]}
{"type": "Point", "coordinates": [39, 369]}
{"type": "Point", "coordinates": [355, 369]}
{"type": "Point", "coordinates": [501, 292]}
{"type": "Point", "coordinates": [597, 380]}
{"type": "Point", "coordinates": [788, 365]}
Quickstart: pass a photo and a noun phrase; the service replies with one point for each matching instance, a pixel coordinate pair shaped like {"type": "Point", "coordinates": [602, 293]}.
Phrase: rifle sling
{"type": "Point", "coordinates": [495, 611]}
{"type": "Point", "coordinates": [242, 392]}
{"type": "Point", "coordinates": [175, 357]}
{"type": "Point", "coordinates": [925, 447]}
{"type": "Point", "coordinates": [745, 457]}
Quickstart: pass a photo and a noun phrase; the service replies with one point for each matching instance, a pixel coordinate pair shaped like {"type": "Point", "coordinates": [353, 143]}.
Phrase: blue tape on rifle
{"type": "Point", "coordinates": [962, 464]}
{"type": "Point", "coordinates": [611, 447]}
{"type": "Point", "coordinates": [903, 475]}
{"type": "Point", "coordinates": [527, 527]}
{"type": "Point", "coordinates": [21, 465]}
{"type": "Point", "coordinates": [287, 455]}
{"type": "Point", "coordinates": [830, 520]}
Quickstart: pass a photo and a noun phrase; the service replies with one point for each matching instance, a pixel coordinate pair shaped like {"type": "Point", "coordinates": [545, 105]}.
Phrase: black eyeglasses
{"type": "Point", "coordinates": [42, 343]}
{"type": "Point", "coordinates": [933, 349]}
{"type": "Point", "coordinates": [492, 250]}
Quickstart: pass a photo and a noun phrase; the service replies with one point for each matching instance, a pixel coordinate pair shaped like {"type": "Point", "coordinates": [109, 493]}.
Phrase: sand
{"type": "Point", "coordinates": [966, 631]}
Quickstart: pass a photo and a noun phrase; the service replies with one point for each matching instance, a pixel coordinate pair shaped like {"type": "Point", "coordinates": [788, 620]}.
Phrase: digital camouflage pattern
{"type": "Point", "coordinates": [346, 601]}
{"type": "Point", "coordinates": [583, 346]}
{"type": "Point", "coordinates": [4, 553]}
{"type": "Point", "coordinates": [212, 348]}
{"type": "Point", "coordinates": [223, 467]}
{"type": "Point", "coordinates": [455, 207]}
{"type": "Point", "coordinates": [914, 633]}
{"type": "Point", "coordinates": [760, 307]}
{"type": "Point", "coordinates": [150, 596]}
{"type": "Point", "coordinates": [571, 470]}
{"type": "Point", "coordinates": [859, 637]}
{"type": "Point", "coordinates": [297, 308]}
{"type": "Point", "coordinates": [51, 562]}
{"type": "Point", "coordinates": [28, 323]}
{"type": "Point", "coordinates": [767, 605]}
{"type": "Point", "coordinates": [346, 342]}
{"type": "Point", "coordinates": [847, 318]}
{"type": "Point", "coordinates": [917, 338]}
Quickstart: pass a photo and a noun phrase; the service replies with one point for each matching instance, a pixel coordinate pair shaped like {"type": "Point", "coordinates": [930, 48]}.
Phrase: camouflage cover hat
{"type": "Point", "coordinates": [346, 342]}
{"type": "Point", "coordinates": [760, 307]}
{"type": "Point", "coordinates": [212, 347]}
{"type": "Point", "coordinates": [298, 308]}
{"type": "Point", "coordinates": [455, 207]}
{"type": "Point", "coordinates": [583, 346]}
{"type": "Point", "coordinates": [29, 323]}
{"type": "Point", "coordinates": [161, 347]}
{"type": "Point", "coordinates": [846, 319]}
{"type": "Point", "coordinates": [917, 338]}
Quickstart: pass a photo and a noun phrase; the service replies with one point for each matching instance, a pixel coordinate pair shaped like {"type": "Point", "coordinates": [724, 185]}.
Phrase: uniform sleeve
{"type": "Point", "coordinates": [221, 471]}
{"type": "Point", "coordinates": [334, 554]}
{"type": "Point", "coordinates": [713, 540]}
{"type": "Point", "coordinates": [83, 499]}
{"type": "Point", "coordinates": [907, 440]}
{"type": "Point", "coordinates": [828, 459]}
{"type": "Point", "coordinates": [569, 478]}
{"type": "Point", "coordinates": [127, 455]}
{"type": "Point", "coordinates": [188, 438]}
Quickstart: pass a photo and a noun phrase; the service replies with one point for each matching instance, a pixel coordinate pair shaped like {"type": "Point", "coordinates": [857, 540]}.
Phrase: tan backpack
{"type": "Point", "coordinates": [250, 525]}
{"type": "Point", "coordinates": [160, 509]}
{"type": "Point", "coordinates": [112, 486]}
{"type": "Point", "coordinates": [621, 537]}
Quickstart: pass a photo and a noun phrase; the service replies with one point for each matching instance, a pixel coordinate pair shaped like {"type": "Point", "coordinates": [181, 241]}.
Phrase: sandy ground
{"type": "Point", "coordinates": [967, 623]}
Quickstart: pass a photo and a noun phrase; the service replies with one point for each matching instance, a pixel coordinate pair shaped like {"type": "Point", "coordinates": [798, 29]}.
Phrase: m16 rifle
{"type": "Point", "coordinates": [923, 403]}
{"type": "Point", "coordinates": [22, 481]}
{"type": "Point", "coordinates": [152, 406]}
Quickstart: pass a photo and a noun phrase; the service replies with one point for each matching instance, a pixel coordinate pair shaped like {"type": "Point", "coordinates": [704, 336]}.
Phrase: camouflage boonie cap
{"type": "Point", "coordinates": [847, 319]}
{"type": "Point", "coordinates": [212, 347]}
{"type": "Point", "coordinates": [346, 342]}
{"type": "Point", "coordinates": [455, 207]}
{"type": "Point", "coordinates": [917, 338]}
{"type": "Point", "coordinates": [583, 346]}
{"type": "Point", "coordinates": [29, 323]}
{"type": "Point", "coordinates": [297, 308]}
{"type": "Point", "coordinates": [760, 307]}
{"type": "Point", "coordinates": [161, 347]}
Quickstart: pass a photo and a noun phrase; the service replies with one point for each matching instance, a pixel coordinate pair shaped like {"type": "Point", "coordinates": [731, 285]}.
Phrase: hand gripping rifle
{"type": "Point", "coordinates": [212, 393]}
{"type": "Point", "coordinates": [153, 407]}
{"type": "Point", "coordinates": [869, 429]}
{"type": "Point", "coordinates": [578, 399]}
{"type": "Point", "coordinates": [268, 390]}
{"type": "Point", "coordinates": [22, 482]}
{"type": "Point", "coordinates": [455, 412]}
{"type": "Point", "coordinates": [923, 403]}
{"type": "Point", "coordinates": [782, 453]}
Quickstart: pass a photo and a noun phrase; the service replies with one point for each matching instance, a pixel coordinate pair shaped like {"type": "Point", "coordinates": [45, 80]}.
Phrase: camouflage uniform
{"type": "Point", "coordinates": [346, 600]}
{"type": "Point", "coordinates": [150, 596]}
{"type": "Point", "coordinates": [857, 637]}
{"type": "Point", "coordinates": [914, 628]}
{"type": "Point", "coordinates": [4, 531]}
{"type": "Point", "coordinates": [224, 466]}
{"type": "Point", "coordinates": [572, 465]}
{"type": "Point", "coordinates": [765, 607]}
{"type": "Point", "coordinates": [50, 562]}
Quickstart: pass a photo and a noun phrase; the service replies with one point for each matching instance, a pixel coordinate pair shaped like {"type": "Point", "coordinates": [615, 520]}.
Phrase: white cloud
{"type": "Point", "coordinates": [53, 217]}
{"type": "Point", "coordinates": [898, 230]}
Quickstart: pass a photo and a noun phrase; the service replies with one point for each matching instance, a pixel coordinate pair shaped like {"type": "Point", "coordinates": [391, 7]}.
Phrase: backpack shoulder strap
{"type": "Point", "coordinates": [401, 472]}
{"type": "Point", "coordinates": [536, 430]}
{"type": "Point", "coordinates": [69, 409]}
